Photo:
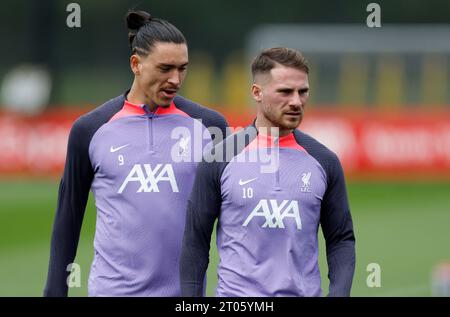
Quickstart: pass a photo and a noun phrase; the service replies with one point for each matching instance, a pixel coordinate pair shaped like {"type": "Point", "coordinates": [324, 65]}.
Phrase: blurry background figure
{"type": "Point", "coordinates": [26, 89]}
{"type": "Point", "coordinates": [380, 98]}
{"type": "Point", "coordinates": [441, 279]}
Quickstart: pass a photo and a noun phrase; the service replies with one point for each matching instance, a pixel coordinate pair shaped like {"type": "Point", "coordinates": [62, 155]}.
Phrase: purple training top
{"type": "Point", "coordinates": [140, 166]}
{"type": "Point", "coordinates": [268, 221]}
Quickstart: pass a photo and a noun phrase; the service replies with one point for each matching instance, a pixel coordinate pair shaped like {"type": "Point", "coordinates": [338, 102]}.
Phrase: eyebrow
{"type": "Point", "coordinates": [283, 89]}
{"type": "Point", "coordinates": [172, 65]}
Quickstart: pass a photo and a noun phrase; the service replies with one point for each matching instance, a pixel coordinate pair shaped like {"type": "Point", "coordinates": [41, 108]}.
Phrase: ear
{"type": "Point", "coordinates": [257, 92]}
{"type": "Point", "coordinates": [135, 64]}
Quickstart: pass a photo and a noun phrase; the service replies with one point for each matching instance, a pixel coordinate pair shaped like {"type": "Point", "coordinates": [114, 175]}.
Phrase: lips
{"type": "Point", "coordinates": [169, 92]}
{"type": "Point", "coordinates": [293, 113]}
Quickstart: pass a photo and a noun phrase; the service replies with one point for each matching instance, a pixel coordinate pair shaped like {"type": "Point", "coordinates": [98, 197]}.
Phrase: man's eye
{"type": "Point", "coordinates": [165, 68]}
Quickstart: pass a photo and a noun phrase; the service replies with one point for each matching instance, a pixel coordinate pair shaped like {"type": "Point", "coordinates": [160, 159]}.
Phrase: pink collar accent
{"type": "Point", "coordinates": [171, 109]}
{"type": "Point", "coordinates": [132, 109]}
{"type": "Point", "coordinates": [266, 141]}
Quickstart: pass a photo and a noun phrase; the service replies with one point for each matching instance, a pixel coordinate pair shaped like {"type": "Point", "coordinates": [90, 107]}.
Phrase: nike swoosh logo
{"type": "Point", "coordinates": [112, 149]}
{"type": "Point", "coordinates": [247, 181]}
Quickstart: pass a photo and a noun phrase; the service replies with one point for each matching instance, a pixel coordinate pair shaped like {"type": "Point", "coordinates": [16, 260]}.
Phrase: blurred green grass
{"type": "Point", "coordinates": [402, 226]}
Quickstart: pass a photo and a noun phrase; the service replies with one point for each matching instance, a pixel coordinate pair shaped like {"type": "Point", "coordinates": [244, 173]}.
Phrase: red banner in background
{"type": "Point", "coordinates": [368, 144]}
{"type": "Point", "coordinates": [406, 145]}
{"type": "Point", "coordinates": [34, 145]}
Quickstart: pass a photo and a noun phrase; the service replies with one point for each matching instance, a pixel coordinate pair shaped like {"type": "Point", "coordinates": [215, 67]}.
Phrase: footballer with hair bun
{"type": "Point", "coordinates": [122, 151]}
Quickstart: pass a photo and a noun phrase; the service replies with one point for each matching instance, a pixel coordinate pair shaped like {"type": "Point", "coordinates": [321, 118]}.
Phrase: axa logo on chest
{"type": "Point", "coordinates": [275, 213]}
{"type": "Point", "coordinates": [148, 178]}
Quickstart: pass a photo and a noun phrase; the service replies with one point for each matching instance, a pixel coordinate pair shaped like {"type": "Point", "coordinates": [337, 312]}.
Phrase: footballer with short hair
{"type": "Point", "coordinates": [268, 221]}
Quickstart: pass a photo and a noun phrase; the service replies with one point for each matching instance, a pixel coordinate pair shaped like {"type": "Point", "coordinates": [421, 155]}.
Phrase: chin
{"type": "Point", "coordinates": [164, 103]}
{"type": "Point", "coordinates": [290, 125]}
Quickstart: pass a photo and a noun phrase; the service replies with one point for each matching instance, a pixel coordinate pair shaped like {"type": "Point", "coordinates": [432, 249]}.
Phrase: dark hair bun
{"type": "Point", "coordinates": [136, 19]}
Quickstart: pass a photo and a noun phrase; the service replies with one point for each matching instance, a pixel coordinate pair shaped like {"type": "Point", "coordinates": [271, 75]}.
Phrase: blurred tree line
{"type": "Point", "coordinates": [79, 58]}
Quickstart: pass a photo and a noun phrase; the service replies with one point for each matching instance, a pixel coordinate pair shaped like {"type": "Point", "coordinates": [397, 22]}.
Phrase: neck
{"type": "Point", "coordinates": [266, 125]}
{"type": "Point", "coordinates": [138, 96]}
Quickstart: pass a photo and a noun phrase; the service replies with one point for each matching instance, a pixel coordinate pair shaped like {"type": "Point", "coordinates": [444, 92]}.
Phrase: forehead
{"type": "Point", "coordinates": [288, 76]}
{"type": "Point", "coordinates": [169, 53]}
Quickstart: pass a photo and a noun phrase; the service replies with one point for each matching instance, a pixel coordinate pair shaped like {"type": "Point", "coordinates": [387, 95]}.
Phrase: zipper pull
{"type": "Point", "coordinates": [276, 148]}
{"type": "Point", "coordinates": [149, 113]}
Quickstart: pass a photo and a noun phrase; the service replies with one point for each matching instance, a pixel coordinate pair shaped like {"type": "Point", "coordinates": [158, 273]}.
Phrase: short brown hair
{"type": "Point", "coordinates": [267, 59]}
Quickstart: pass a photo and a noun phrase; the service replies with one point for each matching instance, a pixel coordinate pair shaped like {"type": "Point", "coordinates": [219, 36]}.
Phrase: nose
{"type": "Point", "coordinates": [296, 101]}
{"type": "Point", "coordinates": [175, 78]}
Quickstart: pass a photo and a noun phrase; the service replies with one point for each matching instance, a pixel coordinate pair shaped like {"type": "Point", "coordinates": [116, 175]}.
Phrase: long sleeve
{"type": "Point", "coordinates": [202, 210]}
{"type": "Point", "coordinates": [337, 227]}
{"type": "Point", "coordinates": [72, 198]}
